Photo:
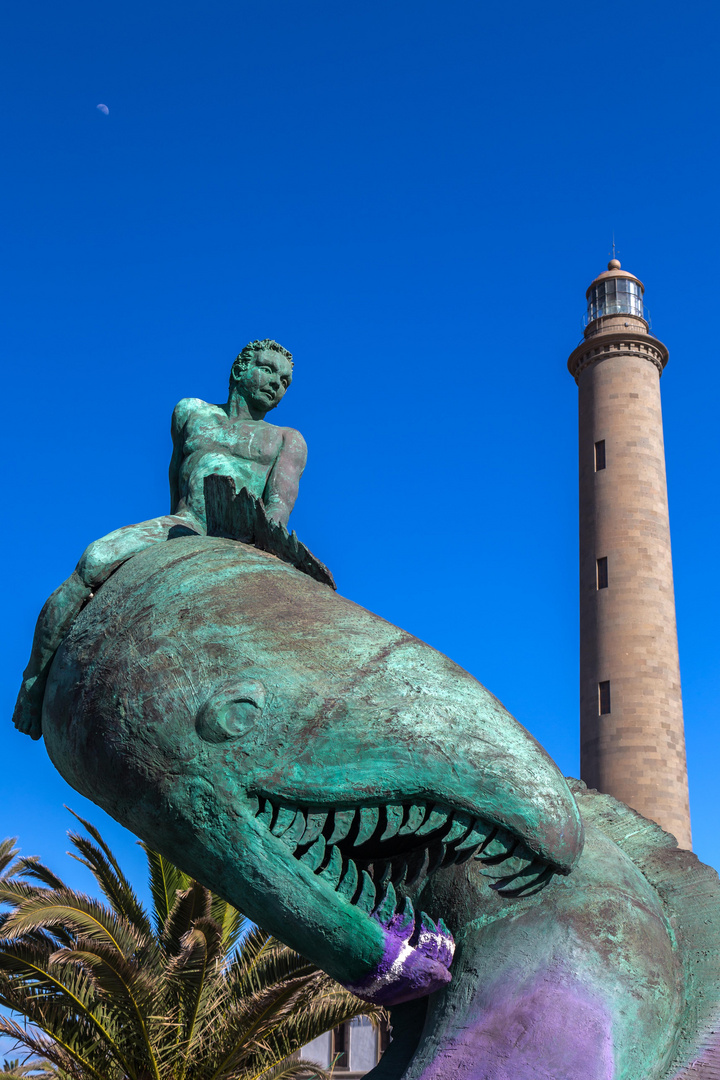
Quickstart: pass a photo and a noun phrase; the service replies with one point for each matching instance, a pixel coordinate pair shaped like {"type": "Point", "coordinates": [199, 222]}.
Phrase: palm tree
{"type": "Point", "coordinates": [191, 992]}
{"type": "Point", "coordinates": [29, 1070]}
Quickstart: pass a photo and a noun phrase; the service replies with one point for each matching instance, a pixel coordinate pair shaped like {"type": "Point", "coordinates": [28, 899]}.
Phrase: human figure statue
{"type": "Point", "coordinates": [233, 440]}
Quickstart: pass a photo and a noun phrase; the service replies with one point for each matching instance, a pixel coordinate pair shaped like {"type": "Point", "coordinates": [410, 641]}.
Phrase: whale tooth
{"type": "Point", "coordinates": [459, 828]}
{"type": "Point", "coordinates": [382, 873]}
{"type": "Point", "coordinates": [498, 849]}
{"type": "Point", "coordinates": [399, 872]}
{"type": "Point", "coordinates": [315, 824]}
{"type": "Point", "coordinates": [435, 820]}
{"type": "Point", "coordinates": [415, 817]}
{"type": "Point", "coordinates": [348, 886]}
{"type": "Point", "coordinates": [428, 942]}
{"type": "Point", "coordinates": [479, 834]}
{"type": "Point", "coordinates": [426, 923]}
{"type": "Point", "coordinates": [285, 817]}
{"type": "Point", "coordinates": [436, 855]}
{"type": "Point", "coordinates": [342, 825]}
{"type": "Point", "coordinates": [314, 855]}
{"type": "Point", "coordinates": [333, 870]}
{"type": "Point", "coordinates": [394, 813]}
{"type": "Point", "coordinates": [451, 856]}
{"type": "Point", "coordinates": [366, 899]}
{"type": "Point", "coordinates": [525, 884]}
{"type": "Point", "coordinates": [368, 821]}
{"type": "Point", "coordinates": [403, 924]}
{"type": "Point", "coordinates": [517, 863]}
{"type": "Point", "coordinates": [267, 812]}
{"type": "Point", "coordinates": [294, 832]}
{"type": "Point", "coordinates": [416, 866]}
{"type": "Point", "coordinates": [386, 908]}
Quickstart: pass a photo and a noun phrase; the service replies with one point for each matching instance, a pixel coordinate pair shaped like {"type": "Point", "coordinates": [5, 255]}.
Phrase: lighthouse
{"type": "Point", "coordinates": [632, 742]}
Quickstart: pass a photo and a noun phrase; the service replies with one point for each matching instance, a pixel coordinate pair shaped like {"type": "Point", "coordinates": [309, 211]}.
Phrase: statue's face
{"type": "Point", "coordinates": [264, 380]}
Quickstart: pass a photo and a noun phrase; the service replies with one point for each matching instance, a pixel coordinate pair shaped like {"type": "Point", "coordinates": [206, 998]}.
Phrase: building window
{"type": "Point", "coordinates": [602, 575]}
{"type": "Point", "coordinates": [340, 1041]}
{"type": "Point", "coordinates": [604, 697]}
{"type": "Point", "coordinates": [599, 455]}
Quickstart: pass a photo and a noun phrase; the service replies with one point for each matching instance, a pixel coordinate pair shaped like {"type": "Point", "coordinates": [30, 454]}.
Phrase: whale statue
{"type": "Point", "coordinates": [370, 803]}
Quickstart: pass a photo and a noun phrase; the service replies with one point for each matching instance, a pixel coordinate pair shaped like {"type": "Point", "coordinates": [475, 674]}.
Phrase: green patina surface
{"type": "Point", "coordinates": [178, 723]}
{"type": "Point", "coordinates": [265, 734]}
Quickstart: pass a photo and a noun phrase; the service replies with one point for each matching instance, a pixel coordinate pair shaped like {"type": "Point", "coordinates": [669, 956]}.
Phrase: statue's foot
{"type": "Point", "coordinates": [27, 716]}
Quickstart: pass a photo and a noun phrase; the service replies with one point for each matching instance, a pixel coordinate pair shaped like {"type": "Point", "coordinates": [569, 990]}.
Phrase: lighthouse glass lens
{"type": "Point", "coordinates": [618, 296]}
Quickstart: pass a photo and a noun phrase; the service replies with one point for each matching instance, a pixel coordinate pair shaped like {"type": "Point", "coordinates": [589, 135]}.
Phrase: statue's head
{"type": "Point", "coordinates": [261, 374]}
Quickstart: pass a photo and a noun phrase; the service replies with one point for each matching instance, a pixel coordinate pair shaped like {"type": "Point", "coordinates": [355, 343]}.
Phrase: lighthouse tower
{"type": "Point", "coordinates": [632, 742]}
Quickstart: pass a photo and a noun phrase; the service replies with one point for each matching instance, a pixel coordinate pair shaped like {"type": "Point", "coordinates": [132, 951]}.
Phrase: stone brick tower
{"type": "Point", "coordinates": [632, 742]}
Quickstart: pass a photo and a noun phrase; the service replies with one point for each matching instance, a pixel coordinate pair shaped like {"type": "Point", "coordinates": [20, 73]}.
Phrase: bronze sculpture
{"type": "Point", "coordinates": [373, 805]}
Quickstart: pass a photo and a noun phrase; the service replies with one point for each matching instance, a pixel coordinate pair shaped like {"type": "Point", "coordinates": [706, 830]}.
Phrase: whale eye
{"type": "Point", "coordinates": [232, 711]}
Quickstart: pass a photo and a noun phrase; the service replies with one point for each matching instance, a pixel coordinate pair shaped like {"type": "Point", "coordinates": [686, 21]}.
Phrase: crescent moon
{"type": "Point", "coordinates": [103, 109]}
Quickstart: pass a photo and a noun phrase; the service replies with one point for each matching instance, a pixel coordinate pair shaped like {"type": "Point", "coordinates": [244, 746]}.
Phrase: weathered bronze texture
{"type": "Point", "coordinates": [233, 440]}
{"type": "Point", "coordinates": [368, 801]}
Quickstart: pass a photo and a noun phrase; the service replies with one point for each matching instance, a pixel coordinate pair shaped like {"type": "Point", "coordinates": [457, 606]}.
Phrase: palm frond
{"type": "Point", "coordinates": [190, 904]}
{"type": "Point", "coordinates": [75, 912]}
{"type": "Point", "coordinates": [62, 1056]}
{"type": "Point", "coordinates": [166, 880]}
{"type": "Point", "coordinates": [289, 1068]}
{"type": "Point", "coordinates": [8, 855]}
{"type": "Point", "coordinates": [63, 1003]}
{"type": "Point", "coordinates": [114, 884]}
{"type": "Point", "coordinates": [31, 867]}
{"type": "Point", "coordinates": [30, 1069]}
{"type": "Point", "coordinates": [195, 992]}
{"type": "Point", "coordinates": [233, 924]}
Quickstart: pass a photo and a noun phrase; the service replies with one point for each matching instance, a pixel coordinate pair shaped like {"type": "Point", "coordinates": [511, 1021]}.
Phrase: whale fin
{"type": "Point", "coordinates": [240, 516]}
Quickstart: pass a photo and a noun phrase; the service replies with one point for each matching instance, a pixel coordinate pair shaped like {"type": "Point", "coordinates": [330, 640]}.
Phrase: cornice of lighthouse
{"type": "Point", "coordinates": [603, 346]}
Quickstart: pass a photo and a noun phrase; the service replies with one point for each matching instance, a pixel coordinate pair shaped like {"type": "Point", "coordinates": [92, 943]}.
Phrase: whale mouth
{"type": "Point", "coordinates": [367, 854]}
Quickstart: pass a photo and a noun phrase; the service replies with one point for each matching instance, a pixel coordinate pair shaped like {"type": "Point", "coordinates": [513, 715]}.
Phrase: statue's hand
{"type": "Point", "coordinates": [415, 961]}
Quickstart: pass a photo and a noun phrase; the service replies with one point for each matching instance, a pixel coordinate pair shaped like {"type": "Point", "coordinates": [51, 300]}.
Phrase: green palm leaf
{"type": "Point", "coordinates": [8, 855]}
{"type": "Point", "coordinates": [189, 991]}
{"type": "Point", "coordinates": [100, 861]}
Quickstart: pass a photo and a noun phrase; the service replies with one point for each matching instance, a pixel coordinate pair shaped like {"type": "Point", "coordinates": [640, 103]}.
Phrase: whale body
{"type": "Point", "coordinates": [369, 802]}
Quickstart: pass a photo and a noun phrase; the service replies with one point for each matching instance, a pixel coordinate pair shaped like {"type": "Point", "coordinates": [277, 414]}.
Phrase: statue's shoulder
{"type": "Point", "coordinates": [292, 439]}
{"type": "Point", "coordinates": [188, 407]}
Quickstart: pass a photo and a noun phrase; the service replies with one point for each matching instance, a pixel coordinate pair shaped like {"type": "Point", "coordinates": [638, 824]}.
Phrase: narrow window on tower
{"type": "Point", "coordinates": [602, 573]}
{"type": "Point", "coordinates": [599, 455]}
{"type": "Point", "coordinates": [604, 697]}
{"type": "Point", "coordinates": [340, 1047]}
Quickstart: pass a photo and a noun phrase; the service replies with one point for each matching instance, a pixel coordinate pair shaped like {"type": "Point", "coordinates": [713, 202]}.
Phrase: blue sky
{"type": "Point", "coordinates": [413, 198]}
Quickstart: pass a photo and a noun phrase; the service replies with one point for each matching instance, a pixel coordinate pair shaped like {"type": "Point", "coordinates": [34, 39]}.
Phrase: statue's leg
{"type": "Point", "coordinates": [101, 559]}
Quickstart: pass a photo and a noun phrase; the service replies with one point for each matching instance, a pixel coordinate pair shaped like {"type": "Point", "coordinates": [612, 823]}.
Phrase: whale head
{"type": "Point", "coordinates": [305, 759]}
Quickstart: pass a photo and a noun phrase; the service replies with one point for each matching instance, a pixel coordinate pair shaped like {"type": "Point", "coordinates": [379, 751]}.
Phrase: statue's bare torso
{"type": "Point", "coordinates": [264, 458]}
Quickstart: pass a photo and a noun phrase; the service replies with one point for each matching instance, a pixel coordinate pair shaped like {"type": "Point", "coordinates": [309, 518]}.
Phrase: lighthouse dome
{"type": "Point", "coordinates": [615, 292]}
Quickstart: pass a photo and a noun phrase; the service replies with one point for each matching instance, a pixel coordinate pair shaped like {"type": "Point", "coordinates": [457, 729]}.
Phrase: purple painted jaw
{"type": "Point", "coordinates": [416, 958]}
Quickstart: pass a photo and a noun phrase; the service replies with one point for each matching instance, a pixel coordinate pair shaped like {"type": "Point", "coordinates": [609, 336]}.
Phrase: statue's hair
{"type": "Point", "coordinates": [253, 347]}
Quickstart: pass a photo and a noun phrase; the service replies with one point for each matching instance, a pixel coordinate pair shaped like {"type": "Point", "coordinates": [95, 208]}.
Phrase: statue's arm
{"type": "Point", "coordinates": [281, 489]}
{"type": "Point", "coordinates": [177, 429]}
